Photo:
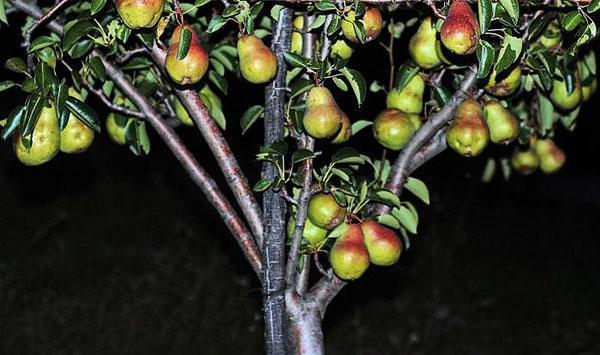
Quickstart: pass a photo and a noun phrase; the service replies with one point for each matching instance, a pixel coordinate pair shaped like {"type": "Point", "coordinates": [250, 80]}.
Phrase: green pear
{"type": "Point", "coordinates": [382, 243]}
{"type": "Point", "coordinates": [416, 120]}
{"type": "Point", "coordinates": [324, 211]}
{"type": "Point", "coordinates": [349, 257]}
{"type": "Point", "coordinates": [589, 90]}
{"type": "Point", "coordinates": [116, 127]}
{"type": "Point", "coordinates": [296, 43]}
{"type": "Point", "coordinates": [552, 35]}
{"type": "Point", "coordinates": [322, 117]}
{"type": "Point", "coordinates": [193, 66]}
{"type": "Point", "coordinates": [393, 129]}
{"type": "Point", "coordinates": [525, 161]}
{"type": "Point", "coordinates": [552, 158]}
{"type": "Point", "coordinates": [209, 99]}
{"type": "Point", "coordinates": [504, 85]}
{"type": "Point", "coordinates": [562, 99]}
{"type": "Point", "coordinates": [45, 140]}
{"type": "Point", "coordinates": [468, 134]}
{"type": "Point", "coordinates": [460, 30]}
{"type": "Point", "coordinates": [423, 46]}
{"type": "Point", "coordinates": [342, 49]}
{"type": "Point", "coordinates": [140, 13]}
{"type": "Point", "coordinates": [312, 234]}
{"type": "Point", "coordinates": [503, 125]}
{"type": "Point", "coordinates": [372, 21]}
{"type": "Point", "coordinates": [410, 99]}
{"type": "Point", "coordinates": [76, 137]}
{"type": "Point", "coordinates": [345, 131]}
{"type": "Point", "coordinates": [258, 63]}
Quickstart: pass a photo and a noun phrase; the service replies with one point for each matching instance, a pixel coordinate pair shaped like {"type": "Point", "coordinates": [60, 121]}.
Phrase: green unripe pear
{"type": "Point", "coordinates": [410, 99]}
{"type": "Point", "coordinates": [525, 161]}
{"type": "Point", "coordinates": [312, 234]}
{"type": "Point", "coordinates": [349, 257]}
{"type": "Point", "coordinates": [193, 66]}
{"type": "Point", "coordinates": [372, 21]}
{"type": "Point", "coordinates": [552, 158]}
{"type": "Point", "coordinates": [382, 243]}
{"type": "Point", "coordinates": [503, 125]}
{"type": "Point", "coordinates": [76, 137]}
{"type": "Point", "coordinates": [345, 131]}
{"type": "Point", "coordinates": [423, 46]}
{"type": "Point", "coordinates": [296, 37]}
{"type": "Point", "coordinates": [322, 117]}
{"type": "Point", "coordinates": [116, 128]}
{"type": "Point", "coordinates": [468, 134]}
{"type": "Point", "coordinates": [45, 140]}
{"type": "Point", "coordinates": [416, 120]}
{"type": "Point", "coordinates": [588, 91]}
{"type": "Point", "coordinates": [209, 99]}
{"type": "Point", "coordinates": [460, 30]}
{"type": "Point", "coordinates": [564, 100]}
{"type": "Point", "coordinates": [506, 84]}
{"type": "Point", "coordinates": [324, 211]}
{"type": "Point", "coordinates": [393, 129]}
{"type": "Point", "coordinates": [342, 49]}
{"type": "Point", "coordinates": [140, 13]}
{"type": "Point", "coordinates": [551, 36]}
{"type": "Point", "coordinates": [258, 63]}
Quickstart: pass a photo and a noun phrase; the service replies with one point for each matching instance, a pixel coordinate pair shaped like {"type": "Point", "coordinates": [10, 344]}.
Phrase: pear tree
{"type": "Point", "coordinates": [331, 201]}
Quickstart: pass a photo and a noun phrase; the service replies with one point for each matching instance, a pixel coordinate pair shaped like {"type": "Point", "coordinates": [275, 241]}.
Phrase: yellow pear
{"type": "Point", "coordinates": [76, 137]}
{"type": "Point", "coordinates": [45, 140]}
{"type": "Point", "coordinates": [372, 21]}
{"type": "Point", "coordinates": [503, 125]}
{"type": "Point", "coordinates": [468, 134]}
{"type": "Point", "coordinates": [258, 63]}
{"type": "Point", "coordinates": [345, 131]}
{"type": "Point", "coordinates": [342, 49]}
{"type": "Point", "coordinates": [410, 99]}
{"type": "Point", "coordinates": [296, 38]}
{"type": "Point", "coordinates": [564, 100]}
{"type": "Point", "coordinates": [140, 13]}
{"type": "Point", "coordinates": [423, 46]}
{"type": "Point", "coordinates": [393, 129]}
{"type": "Point", "coordinates": [505, 84]}
{"type": "Point", "coordinates": [322, 117]}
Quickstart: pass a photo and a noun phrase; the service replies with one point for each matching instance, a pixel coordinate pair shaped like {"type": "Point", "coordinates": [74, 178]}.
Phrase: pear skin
{"type": "Point", "coordinates": [506, 84]}
{"type": "Point", "coordinates": [45, 140]}
{"type": "Point", "coordinates": [552, 35]}
{"type": "Point", "coordinates": [503, 125]}
{"type": "Point", "coordinates": [324, 211]}
{"type": "Point", "coordinates": [193, 66]}
{"type": "Point", "coordinates": [372, 21]}
{"type": "Point", "coordinates": [410, 99]}
{"type": "Point", "coordinates": [115, 127]}
{"type": "Point", "coordinates": [460, 31]}
{"type": "Point", "coordinates": [525, 162]}
{"type": "Point", "coordinates": [140, 13]}
{"type": "Point", "coordinates": [296, 43]}
{"type": "Point", "coordinates": [416, 120]}
{"type": "Point", "coordinates": [345, 131]}
{"type": "Point", "coordinates": [342, 49]}
{"type": "Point", "coordinates": [312, 234]}
{"type": "Point", "coordinates": [552, 158]}
{"type": "Point", "coordinates": [423, 46]}
{"type": "Point", "coordinates": [561, 99]}
{"type": "Point", "coordinates": [322, 117]}
{"type": "Point", "coordinates": [349, 257]}
{"type": "Point", "coordinates": [468, 134]}
{"type": "Point", "coordinates": [393, 129]}
{"type": "Point", "coordinates": [76, 137]}
{"type": "Point", "coordinates": [589, 90]}
{"type": "Point", "coordinates": [382, 243]}
{"type": "Point", "coordinates": [258, 63]}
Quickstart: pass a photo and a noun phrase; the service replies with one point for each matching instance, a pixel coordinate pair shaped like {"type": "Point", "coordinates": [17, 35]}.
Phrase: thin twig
{"type": "Point", "coordinates": [130, 53]}
{"type": "Point", "coordinates": [112, 106]}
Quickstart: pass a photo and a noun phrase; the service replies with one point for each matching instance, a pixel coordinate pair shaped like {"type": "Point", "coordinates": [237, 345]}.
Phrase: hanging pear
{"type": "Point", "coordinates": [551, 36]}
{"type": "Point", "coordinates": [503, 125]}
{"type": "Point", "coordinates": [140, 13]}
{"type": "Point", "coordinates": [342, 49]}
{"type": "Point", "coordinates": [312, 234]}
{"type": "Point", "coordinates": [423, 46]}
{"type": "Point", "coordinates": [410, 99]}
{"type": "Point", "coordinates": [193, 66]}
{"type": "Point", "coordinates": [460, 31]}
{"type": "Point", "coordinates": [349, 257]}
{"type": "Point", "coordinates": [322, 116]}
{"type": "Point", "coordinates": [560, 96]}
{"type": "Point", "coordinates": [372, 21]}
{"type": "Point", "coordinates": [468, 134]}
{"type": "Point", "coordinates": [525, 162]}
{"type": "Point", "coordinates": [393, 129]}
{"type": "Point", "coordinates": [505, 84]}
{"type": "Point", "coordinates": [76, 137]}
{"type": "Point", "coordinates": [45, 140]}
{"type": "Point", "coordinates": [589, 90]}
{"type": "Point", "coordinates": [258, 63]}
{"type": "Point", "coordinates": [116, 124]}
{"type": "Point", "coordinates": [345, 131]}
{"type": "Point", "coordinates": [382, 243]}
{"type": "Point", "coordinates": [552, 158]}
{"type": "Point", "coordinates": [324, 211]}
{"type": "Point", "coordinates": [296, 43]}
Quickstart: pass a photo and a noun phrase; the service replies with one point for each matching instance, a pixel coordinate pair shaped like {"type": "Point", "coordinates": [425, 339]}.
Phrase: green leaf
{"type": "Point", "coordinates": [360, 125]}
{"type": "Point", "coordinates": [325, 5]}
{"type": "Point", "coordinates": [347, 155]}
{"type": "Point", "coordinates": [98, 68]}
{"type": "Point", "coordinates": [16, 64]}
{"type": "Point", "coordinates": [334, 26]}
{"type": "Point", "coordinates": [137, 137]}
{"type": "Point", "coordinates": [387, 197]}
{"type": "Point", "coordinates": [407, 218]}
{"type": "Point", "coordinates": [60, 105]}
{"type": "Point", "coordinates": [219, 81]}
{"type": "Point", "coordinates": [216, 23]}
{"type": "Point", "coordinates": [250, 116]}
{"type": "Point", "coordinates": [418, 188]}
{"type": "Point", "coordinates": [441, 95]}
{"type": "Point", "coordinates": [96, 6]}
{"type": "Point", "coordinates": [317, 23]}
{"type": "Point", "coordinates": [296, 60]}
{"type": "Point", "coordinates": [388, 220]}
{"type": "Point", "coordinates": [3, 13]}
{"type": "Point", "coordinates": [359, 29]}
{"type": "Point", "coordinates": [571, 20]}
{"type": "Point", "coordinates": [357, 83]}
{"type": "Point", "coordinates": [230, 11]}
{"type": "Point", "coordinates": [512, 9]}
{"type": "Point", "coordinates": [593, 6]}
{"type": "Point", "coordinates": [538, 25]}
{"type": "Point", "coordinates": [13, 121]}
{"type": "Point", "coordinates": [262, 185]}
{"type": "Point", "coordinates": [75, 32]}
{"type": "Point", "coordinates": [81, 48]}
{"type": "Point", "coordinates": [545, 113]}
{"type": "Point", "coordinates": [484, 8]}
{"type": "Point", "coordinates": [183, 46]}
{"type": "Point", "coordinates": [6, 84]}
{"type": "Point", "coordinates": [301, 155]}
{"type": "Point", "coordinates": [405, 74]}
{"type": "Point", "coordinates": [510, 51]}
{"type": "Point", "coordinates": [485, 57]}
{"type": "Point", "coordinates": [34, 105]}
{"type": "Point", "coordinates": [84, 113]}
{"type": "Point", "coordinates": [340, 84]}
{"type": "Point", "coordinates": [43, 42]}
{"type": "Point", "coordinates": [489, 170]}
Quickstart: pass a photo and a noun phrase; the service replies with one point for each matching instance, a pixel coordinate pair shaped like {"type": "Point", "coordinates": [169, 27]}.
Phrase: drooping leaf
{"type": "Point", "coordinates": [84, 113]}
{"type": "Point", "coordinates": [357, 83]}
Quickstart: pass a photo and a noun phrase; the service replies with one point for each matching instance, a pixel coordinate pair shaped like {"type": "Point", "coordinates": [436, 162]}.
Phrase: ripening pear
{"type": "Point", "coordinates": [258, 63]}
{"type": "Point", "coordinates": [393, 129]}
{"type": "Point", "coordinates": [382, 243]}
{"type": "Point", "coordinates": [45, 140]}
{"type": "Point", "coordinates": [410, 99]}
{"type": "Point", "coordinates": [312, 234]}
{"type": "Point", "coordinates": [324, 211]}
{"type": "Point", "coordinates": [416, 120]}
{"type": "Point", "coordinates": [342, 49]}
{"type": "Point", "coordinates": [468, 134]}
{"type": "Point", "coordinates": [296, 37]}
{"type": "Point", "coordinates": [76, 137]}
{"type": "Point", "coordinates": [322, 117]}
{"type": "Point", "coordinates": [525, 161]}
{"type": "Point", "coordinates": [552, 158]}
{"type": "Point", "coordinates": [507, 84]}
{"type": "Point", "coordinates": [349, 257]}
{"type": "Point", "coordinates": [345, 131]}
{"type": "Point", "coordinates": [140, 13]}
{"type": "Point", "coordinates": [589, 90]}
{"type": "Point", "coordinates": [460, 31]}
{"type": "Point", "coordinates": [564, 100]}
{"type": "Point", "coordinates": [503, 125]}
{"type": "Point", "coordinates": [551, 36]}
{"type": "Point", "coordinates": [193, 66]}
{"type": "Point", "coordinates": [423, 46]}
{"type": "Point", "coordinates": [116, 127]}
{"type": "Point", "coordinates": [372, 21]}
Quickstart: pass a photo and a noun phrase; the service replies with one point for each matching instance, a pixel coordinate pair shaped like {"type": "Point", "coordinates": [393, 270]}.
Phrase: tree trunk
{"type": "Point", "coordinates": [305, 336]}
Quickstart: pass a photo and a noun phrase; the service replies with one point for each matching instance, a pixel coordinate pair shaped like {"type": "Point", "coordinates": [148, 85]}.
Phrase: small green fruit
{"type": "Point", "coordinates": [588, 91]}
{"type": "Point", "coordinates": [564, 100]}
{"type": "Point", "coordinates": [468, 134]}
{"type": "Point", "coordinates": [345, 131]}
{"type": "Point", "coordinates": [116, 128]}
{"type": "Point", "coordinates": [312, 234]}
{"type": "Point", "coordinates": [506, 84]}
{"type": "Point", "coordinates": [503, 125]}
{"type": "Point", "coordinates": [296, 37]}
{"type": "Point", "coordinates": [342, 49]}
{"type": "Point", "coordinates": [324, 211]}
{"type": "Point", "coordinates": [551, 36]}
{"type": "Point", "coordinates": [372, 21]}
{"type": "Point", "coordinates": [393, 129]}
{"type": "Point", "coordinates": [552, 158]}
{"type": "Point", "coordinates": [45, 140]}
{"type": "Point", "coordinates": [423, 46]}
{"type": "Point", "coordinates": [410, 99]}
{"type": "Point", "coordinates": [525, 162]}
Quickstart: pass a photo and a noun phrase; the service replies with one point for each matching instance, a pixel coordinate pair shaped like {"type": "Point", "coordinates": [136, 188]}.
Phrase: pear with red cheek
{"type": "Point", "coordinates": [468, 134]}
{"type": "Point", "coordinates": [552, 158]}
{"type": "Point", "coordinates": [324, 211]}
{"type": "Point", "coordinates": [382, 243]}
{"type": "Point", "coordinates": [525, 162]}
{"type": "Point", "coordinates": [140, 13]}
{"type": "Point", "coordinates": [191, 68]}
{"type": "Point", "coordinates": [258, 63]}
{"type": "Point", "coordinates": [372, 22]}
{"type": "Point", "coordinates": [460, 31]}
{"type": "Point", "coordinates": [349, 257]}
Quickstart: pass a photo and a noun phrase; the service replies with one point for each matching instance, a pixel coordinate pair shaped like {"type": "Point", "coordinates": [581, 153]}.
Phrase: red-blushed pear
{"type": "Point", "coordinates": [45, 140]}
{"type": "Point", "coordinates": [468, 134]}
{"type": "Point", "coordinates": [345, 131]}
{"type": "Point", "coordinates": [393, 129]}
{"type": "Point", "coordinates": [460, 31]}
{"type": "Point", "coordinates": [349, 257]}
{"type": "Point", "coordinates": [324, 211]}
{"type": "Point", "coordinates": [193, 66]}
{"type": "Point", "coordinates": [76, 137]}
{"type": "Point", "coordinates": [552, 158]}
{"type": "Point", "coordinates": [505, 84]}
{"type": "Point", "coordinates": [140, 13]}
{"type": "Point", "coordinates": [525, 162]}
{"type": "Point", "coordinates": [503, 125]}
{"type": "Point", "coordinates": [372, 21]}
{"type": "Point", "coordinates": [322, 116]}
{"type": "Point", "coordinates": [383, 244]}
{"type": "Point", "coordinates": [258, 63]}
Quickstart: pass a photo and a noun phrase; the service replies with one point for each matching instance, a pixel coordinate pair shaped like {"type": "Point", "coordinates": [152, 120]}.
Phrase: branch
{"type": "Point", "coordinates": [40, 20]}
{"type": "Point", "coordinates": [112, 106]}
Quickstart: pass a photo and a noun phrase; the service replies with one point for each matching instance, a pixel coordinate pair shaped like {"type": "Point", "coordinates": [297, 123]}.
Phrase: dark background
{"type": "Point", "coordinates": [108, 253]}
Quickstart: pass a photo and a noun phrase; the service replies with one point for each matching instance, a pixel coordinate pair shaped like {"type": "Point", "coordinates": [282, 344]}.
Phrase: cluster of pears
{"type": "Point", "coordinates": [544, 154]}
{"type": "Point", "coordinates": [340, 47]}
{"type": "Point", "coordinates": [323, 118]}
{"type": "Point", "coordinates": [47, 139]}
{"type": "Point", "coordinates": [191, 68]}
{"type": "Point", "coordinates": [140, 13]}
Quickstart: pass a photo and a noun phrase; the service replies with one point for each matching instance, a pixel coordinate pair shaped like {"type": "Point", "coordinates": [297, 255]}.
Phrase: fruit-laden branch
{"type": "Point", "coordinates": [200, 177]}
{"type": "Point", "coordinates": [407, 2]}
{"type": "Point", "coordinates": [236, 180]}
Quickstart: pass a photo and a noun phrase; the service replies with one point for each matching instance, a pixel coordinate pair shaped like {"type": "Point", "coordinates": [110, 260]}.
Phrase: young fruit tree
{"type": "Point", "coordinates": [462, 74]}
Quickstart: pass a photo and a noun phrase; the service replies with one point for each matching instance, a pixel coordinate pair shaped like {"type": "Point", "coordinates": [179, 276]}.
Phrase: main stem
{"type": "Point", "coordinates": [274, 208]}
